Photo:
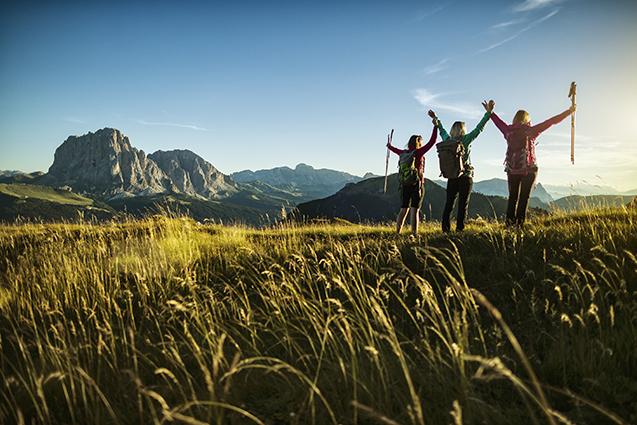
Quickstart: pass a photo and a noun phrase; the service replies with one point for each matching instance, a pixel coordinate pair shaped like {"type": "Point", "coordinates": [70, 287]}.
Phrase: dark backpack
{"type": "Point", "coordinates": [407, 171]}
{"type": "Point", "coordinates": [519, 156]}
{"type": "Point", "coordinates": [451, 158]}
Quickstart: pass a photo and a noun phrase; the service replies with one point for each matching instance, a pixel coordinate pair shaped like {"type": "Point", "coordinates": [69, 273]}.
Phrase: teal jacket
{"type": "Point", "coordinates": [466, 141]}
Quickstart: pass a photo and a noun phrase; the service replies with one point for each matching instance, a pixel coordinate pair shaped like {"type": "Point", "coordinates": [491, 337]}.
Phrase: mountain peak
{"type": "Point", "coordinates": [105, 164]}
{"type": "Point", "coordinates": [193, 175]}
{"type": "Point", "coordinates": [303, 167]}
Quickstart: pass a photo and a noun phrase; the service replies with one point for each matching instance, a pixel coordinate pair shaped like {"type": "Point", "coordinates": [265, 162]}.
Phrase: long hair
{"type": "Point", "coordinates": [458, 130]}
{"type": "Point", "coordinates": [522, 117]}
{"type": "Point", "coordinates": [414, 142]}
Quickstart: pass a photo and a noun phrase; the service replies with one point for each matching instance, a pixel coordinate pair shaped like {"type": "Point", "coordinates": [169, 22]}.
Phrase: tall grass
{"type": "Point", "coordinates": [164, 320]}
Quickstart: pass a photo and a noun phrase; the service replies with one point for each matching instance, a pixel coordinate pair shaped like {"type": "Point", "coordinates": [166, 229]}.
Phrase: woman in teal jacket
{"type": "Point", "coordinates": [461, 186]}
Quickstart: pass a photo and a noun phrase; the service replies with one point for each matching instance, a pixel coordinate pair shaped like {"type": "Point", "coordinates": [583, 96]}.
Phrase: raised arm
{"type": "Point", "coordinates": [432, 140]}
{"type": "Point", "coordinates": [502, 126]}
{"type": "Point", "coordinates": [443, 133]}
{"type": "Point", "coordinates": [470, 137]}
{"type": "Point", "coordinates": [395, 150]}
{"type": "Point", "coordinates": [539, 128]}
{"type": "Point", "coordinates": [437, 124]}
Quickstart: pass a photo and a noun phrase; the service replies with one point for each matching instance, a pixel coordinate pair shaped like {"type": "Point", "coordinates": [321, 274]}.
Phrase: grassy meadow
{"type": "Point", "coordinates": [163, 320]}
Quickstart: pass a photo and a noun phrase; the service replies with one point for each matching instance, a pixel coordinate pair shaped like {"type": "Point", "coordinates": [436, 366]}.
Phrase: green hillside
{"type": "Point", "coordinates": [198, 209]}
{"type": "Point", "coordinates": [45, 203]}
{"type": "Point", "coordinates": [42, 203]}
{"type": "Point", "coordinates": [44, 193]}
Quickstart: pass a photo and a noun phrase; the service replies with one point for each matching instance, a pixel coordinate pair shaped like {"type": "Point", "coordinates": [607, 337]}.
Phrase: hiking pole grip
{"type": "Point", "coordinates": [572, 92]}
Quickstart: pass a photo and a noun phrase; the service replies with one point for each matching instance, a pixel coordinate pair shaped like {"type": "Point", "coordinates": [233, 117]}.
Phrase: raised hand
{"type": "Point", "coordinates": [488, 106]}
{"type": "Point", "coordinates": [434, 118]}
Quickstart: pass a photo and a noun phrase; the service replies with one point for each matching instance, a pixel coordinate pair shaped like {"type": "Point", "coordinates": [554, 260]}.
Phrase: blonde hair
{"type": "Point", "coordinates": [458, 130]}
{"type": "Point", "coordinates": [522, 117]}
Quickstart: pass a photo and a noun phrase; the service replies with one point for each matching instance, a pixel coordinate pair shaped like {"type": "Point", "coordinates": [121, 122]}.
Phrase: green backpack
{"type": "Point", "coordinates": [407, 171]}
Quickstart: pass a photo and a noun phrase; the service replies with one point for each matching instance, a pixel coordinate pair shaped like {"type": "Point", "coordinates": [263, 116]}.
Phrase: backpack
{"type": "Point", "coordinates": [451, 158]}
{"type": "Point", "coordinates": [407, 171]}
{"type": "Point", "coordinates": [520, 149]}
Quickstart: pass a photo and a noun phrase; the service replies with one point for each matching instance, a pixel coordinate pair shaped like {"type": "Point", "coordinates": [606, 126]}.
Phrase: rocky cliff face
{"type": "Point", "coordinates": [105, 164]}
{"type": "Point", "coordinates": [193, 175]}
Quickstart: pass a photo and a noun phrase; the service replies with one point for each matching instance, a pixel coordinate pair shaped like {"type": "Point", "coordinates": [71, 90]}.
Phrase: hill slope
{"type": "Point", "coordinates": [44, 203]}
{"type": "Point", "coordinates": [366, 202]}
{"type": "Point", "coordinates": [576, 202]}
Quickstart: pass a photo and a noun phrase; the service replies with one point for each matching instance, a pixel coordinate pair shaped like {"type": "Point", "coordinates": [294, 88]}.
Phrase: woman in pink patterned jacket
{"type": "Point", "coordinates": [520, 162]}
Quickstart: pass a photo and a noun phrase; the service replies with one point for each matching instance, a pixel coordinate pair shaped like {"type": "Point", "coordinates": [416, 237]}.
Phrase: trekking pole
{"type": "Point", "coordinates": [571, 94]}
{"type": "Point", "coordinates": [389, 139]}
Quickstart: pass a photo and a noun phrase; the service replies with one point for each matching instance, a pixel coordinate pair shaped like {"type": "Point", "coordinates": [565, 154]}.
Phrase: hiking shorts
{"type": "Point", "coordinates": [412, 196]}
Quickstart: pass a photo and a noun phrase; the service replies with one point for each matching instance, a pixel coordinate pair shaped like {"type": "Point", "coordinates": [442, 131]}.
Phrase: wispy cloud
{"type": "Point", "coordinates": [507, 24]}
{"type": "Point", "coordinates": [520, 32]}
{"type": "Point", "coordinates": [528, 5]}
{"type": "Point", "coordinates": [430, 11]}
{"type": "Point", "coordinates": [433, 101]}
{"type": "Point", "coordinates": [172, 124]}
{"type": "Point", "coordinates": [437, 67]}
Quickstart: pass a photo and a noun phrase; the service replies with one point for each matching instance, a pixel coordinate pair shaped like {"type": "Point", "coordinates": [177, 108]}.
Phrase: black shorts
{"type": "Point", "coordinates": [412, 196]}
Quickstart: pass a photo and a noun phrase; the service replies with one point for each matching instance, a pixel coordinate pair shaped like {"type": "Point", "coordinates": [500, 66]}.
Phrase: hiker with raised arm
{"type": "Point", "coordinates": [454, 153]}
{"type": "Point", "coordinates": [520, 161]}
{"type": "Point", "coordinates": [411, 174]}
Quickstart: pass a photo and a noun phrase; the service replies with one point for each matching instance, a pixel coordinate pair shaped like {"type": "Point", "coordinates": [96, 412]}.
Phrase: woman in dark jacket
{"type": "Point", "coordinates": [461, 186]}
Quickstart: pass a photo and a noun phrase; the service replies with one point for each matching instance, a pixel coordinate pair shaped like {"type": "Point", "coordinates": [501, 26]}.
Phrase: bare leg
{"type": "Point", "coordinates": [413, 217]}
{"type": "Point", "coordinates": [401, 219]}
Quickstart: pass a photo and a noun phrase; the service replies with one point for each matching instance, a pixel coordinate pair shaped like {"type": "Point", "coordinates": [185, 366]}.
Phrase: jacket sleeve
{"type": "Point", "coordinates": [395, 150]}
{"type": "Point", "coordinates": [443, 133]}
{"type": "Point", "coordinates": [476, 131]}
{"type": "Point", "coordinates": [502, 126]}
{"type": "Point", "coordinates": [539, 128]}
{"type": "Point", "coordinates": [432, 140]}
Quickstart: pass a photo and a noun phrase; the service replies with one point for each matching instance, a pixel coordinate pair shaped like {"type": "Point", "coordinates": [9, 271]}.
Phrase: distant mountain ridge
{"type": "Point", "coordinates": [106, 167]}
{"type": "Point", "coordinates": [577, 202]}
{"type": "Point", "coordinates": [103, 166]}
{"type": "Point", "coordinates": [583, 188]}
{"type": "Point", "coordinates": [304, 181]}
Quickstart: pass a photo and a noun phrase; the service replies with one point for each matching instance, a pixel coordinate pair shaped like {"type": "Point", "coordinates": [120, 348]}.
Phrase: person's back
{"type": "Point", "coordinates": [520, 160]}
{"type": "Point", "coordinates": [454, 154]}
{"type": "Point", "coordinates": [520, 154]}
{"type": "Point", "coordinates": [411, 173]}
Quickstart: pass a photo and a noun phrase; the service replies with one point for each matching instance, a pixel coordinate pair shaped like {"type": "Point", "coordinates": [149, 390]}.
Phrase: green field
{"type": "Point", "coordinates": [44, 193]}
{"type": "Point", "coordinates": [166, 321]}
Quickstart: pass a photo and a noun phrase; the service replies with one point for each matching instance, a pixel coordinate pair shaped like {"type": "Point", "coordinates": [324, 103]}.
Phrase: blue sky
{"type": "Point", "coordinates": [256, 85]}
